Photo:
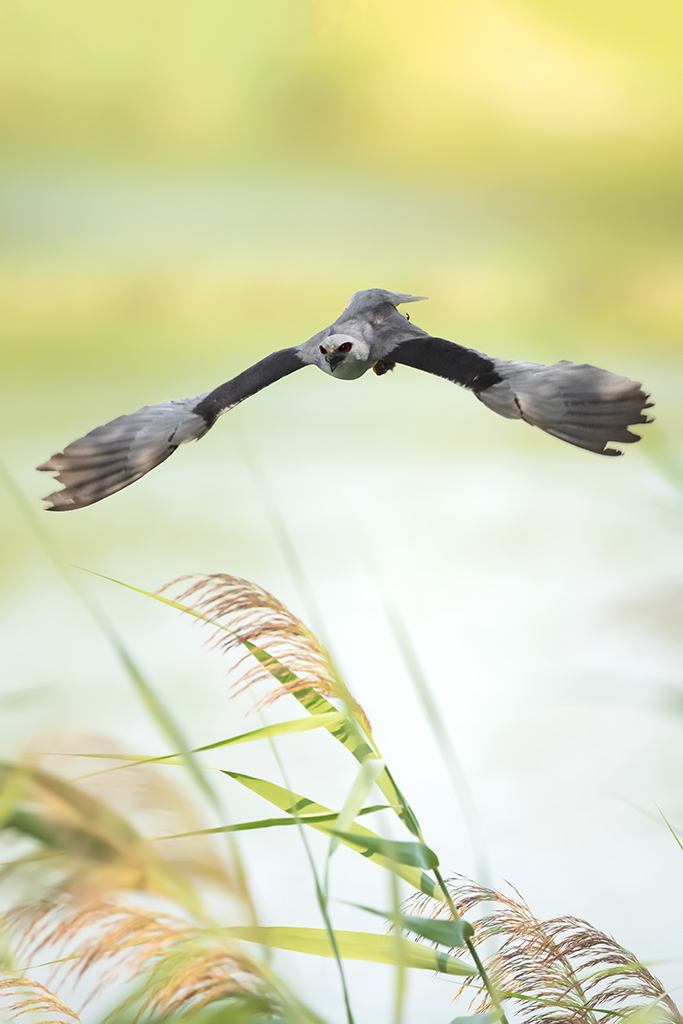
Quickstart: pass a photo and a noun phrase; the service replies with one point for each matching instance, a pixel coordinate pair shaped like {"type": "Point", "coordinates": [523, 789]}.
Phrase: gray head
{"type": "Point", "coordinates": [348, 347]}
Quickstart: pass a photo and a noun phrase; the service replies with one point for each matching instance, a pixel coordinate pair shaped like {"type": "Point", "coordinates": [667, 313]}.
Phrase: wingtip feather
{"type": "Point", "coordinates": [583, 405]}
{"type": "Point", "coordinates": [117, 454]}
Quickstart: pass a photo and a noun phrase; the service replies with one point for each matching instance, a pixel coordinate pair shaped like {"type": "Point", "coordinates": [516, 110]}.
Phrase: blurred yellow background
{"type": "Point", "coordinates": [174, 164]}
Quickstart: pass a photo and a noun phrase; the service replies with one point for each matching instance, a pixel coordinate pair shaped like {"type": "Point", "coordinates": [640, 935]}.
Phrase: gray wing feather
{"type": "Point", "coordinates": [581, 404]}
{"type": "Point", "coordinates": [117, 454]}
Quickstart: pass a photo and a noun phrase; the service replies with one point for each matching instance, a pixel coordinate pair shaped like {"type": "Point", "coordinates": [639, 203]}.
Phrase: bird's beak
{"type": "Point", "coordinates": [334, 359]}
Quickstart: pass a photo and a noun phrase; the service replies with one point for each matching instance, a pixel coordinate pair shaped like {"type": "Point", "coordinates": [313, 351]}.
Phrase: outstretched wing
{"type": "Point", "coordinates": [120, 452]}
{"type": "Point", "coordinates": [583, 405]}
{"type": "Point", "coordinates": [117, 454]}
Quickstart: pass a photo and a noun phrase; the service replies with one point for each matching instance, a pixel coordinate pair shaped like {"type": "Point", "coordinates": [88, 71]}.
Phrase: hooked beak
{"type": "Point", "coordinates": [334, 359]}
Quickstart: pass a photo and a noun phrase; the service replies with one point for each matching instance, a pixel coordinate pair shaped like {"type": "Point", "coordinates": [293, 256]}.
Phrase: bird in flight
{"type": "Point", "coordinates": [581, 404]}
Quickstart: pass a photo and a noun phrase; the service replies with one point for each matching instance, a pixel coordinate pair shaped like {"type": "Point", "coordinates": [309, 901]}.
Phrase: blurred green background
{"type": "Point", "coordinates": [167, 166]}
{"type": "Point", "coordinates": [186, 186]}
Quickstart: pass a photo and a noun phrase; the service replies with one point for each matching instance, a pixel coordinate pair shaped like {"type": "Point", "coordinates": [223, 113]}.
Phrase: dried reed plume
{"type": "Point", "coordinates": [156, 801]}
{"type": "Point", "coordinates": [177, 967]}
{"type": "Point", "coordinates": [245, 614]}
{"type": "Point", "coordinates": [559, 971]}
{"type": "Point", "coordinates": [30, 997]}
{"type": "Point", "coordinates": [78, 842]}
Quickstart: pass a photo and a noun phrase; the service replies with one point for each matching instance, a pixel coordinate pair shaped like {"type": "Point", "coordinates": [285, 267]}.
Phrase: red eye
{"type": "Point", "coordinates": [323, 350]}
{"type": "Point", "coordinates": [346, 347]}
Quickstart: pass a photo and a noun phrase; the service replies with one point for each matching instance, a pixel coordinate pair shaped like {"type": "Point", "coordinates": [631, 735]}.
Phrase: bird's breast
{"type": "Point", "coordinates": [350, 369]}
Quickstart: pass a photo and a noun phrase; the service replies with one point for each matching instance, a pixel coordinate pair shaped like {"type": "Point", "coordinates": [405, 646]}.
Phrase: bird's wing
{"type": "Point", "coordinates": [120, 452]}
{"type": "Point", "coordinates": [583, 405]}
{"type": "Point", "coordinates": [444, 358]}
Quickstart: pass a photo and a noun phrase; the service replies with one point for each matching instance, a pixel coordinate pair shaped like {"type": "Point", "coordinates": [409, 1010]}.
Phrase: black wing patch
{"type": "Point", "coordinates": [244, 385]}
{"type": "Point", "coordinates": [445, 359]}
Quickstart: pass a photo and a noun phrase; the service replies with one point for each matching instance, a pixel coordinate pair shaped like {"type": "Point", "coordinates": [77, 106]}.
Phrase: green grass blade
{"type": "Point", "coordinates": [352, 946]}
{"type": "Point", "coordinates": [347, 732]}
{"type": "Point", "coordinates": [246, 826]}
{"type": "Point", "coordinates": [401, 985]}
{"type": "Point", "coordinates": [358, 794]}
{"type": "Point", "coordinates": [451, 934]}
{"type": "Point", "coordinates": [289, 728]}
{"type": "Point", "coordinates": [671, 829]}
{"type": "Point", "coordinates": [298, 805]}
{"type": "Point", "coordinates": [412, 854]}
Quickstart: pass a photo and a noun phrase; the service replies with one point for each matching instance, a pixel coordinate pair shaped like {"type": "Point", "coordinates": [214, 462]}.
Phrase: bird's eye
{"type": "Point", "coordinates": [323, 350]}
{"type": "Point", "coordinates": [346, 347]}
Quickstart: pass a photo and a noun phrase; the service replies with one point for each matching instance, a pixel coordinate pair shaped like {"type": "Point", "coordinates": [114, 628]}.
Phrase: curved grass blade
{"type": "Point", "coordinates": [401, 985]}
{"type": "Point", "coordinates": [416, 855]}
{"type": "Point", "coordinates": [451, 934]}
{"type": "Point", "coordinates": [671, 829]}
{"type": "Point", "coordinates": [289, 728]}
{"type": "Point", "coordinates": [348, 732]}
{"type": "Point", "coordinates": [298, 806]}
{"type": "Point", "coordinates": [246, 826]}
{"type": "Point", "coordinates": [352, 945]}
{"type": "Point", "coordinates": [371, 768]}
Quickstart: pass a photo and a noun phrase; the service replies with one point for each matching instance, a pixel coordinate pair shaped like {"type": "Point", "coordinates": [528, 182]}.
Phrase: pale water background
{"type": "Point", "coordinates": [539, 584]}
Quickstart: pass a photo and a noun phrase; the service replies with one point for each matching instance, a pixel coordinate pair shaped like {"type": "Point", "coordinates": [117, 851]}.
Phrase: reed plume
{"type": "Point", "coordinates": [245, 614]}
{"type": "Point", "coordinates": [558, 971]}
{"type": "Point", "coordinates": [20, 995]}
{"type": "Point", "coordinates": [72, 841]}
{"type": "Point", "coordinates": [177, 967]}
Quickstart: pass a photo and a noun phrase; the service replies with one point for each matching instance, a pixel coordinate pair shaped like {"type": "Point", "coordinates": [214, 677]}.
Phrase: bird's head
{"type": "Point", "coordinates": [349, 346]}
{"type": "Point", "coordinates": [343, 355]}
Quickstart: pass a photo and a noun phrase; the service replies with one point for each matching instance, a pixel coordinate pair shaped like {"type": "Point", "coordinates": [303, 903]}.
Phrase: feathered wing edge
{"type": "Point", "coordinates": [581, 404]}
{"type": "Point", "coordinates": [118, 453]}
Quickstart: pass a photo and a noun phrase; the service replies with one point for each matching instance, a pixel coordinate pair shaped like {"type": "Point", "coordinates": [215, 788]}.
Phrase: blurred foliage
{"type": "Point", "coordinates": [491, 85]}
{"type": "Point", "coordinates": [170, 167]}
{"type": "Point", "coordinates": [119, 919]}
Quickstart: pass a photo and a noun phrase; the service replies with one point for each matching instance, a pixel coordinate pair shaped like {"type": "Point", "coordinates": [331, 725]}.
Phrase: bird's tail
{"type": "Point", "coordinates": [584, 405]}
{"type": "Point", "coordinates": [120, 452]}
